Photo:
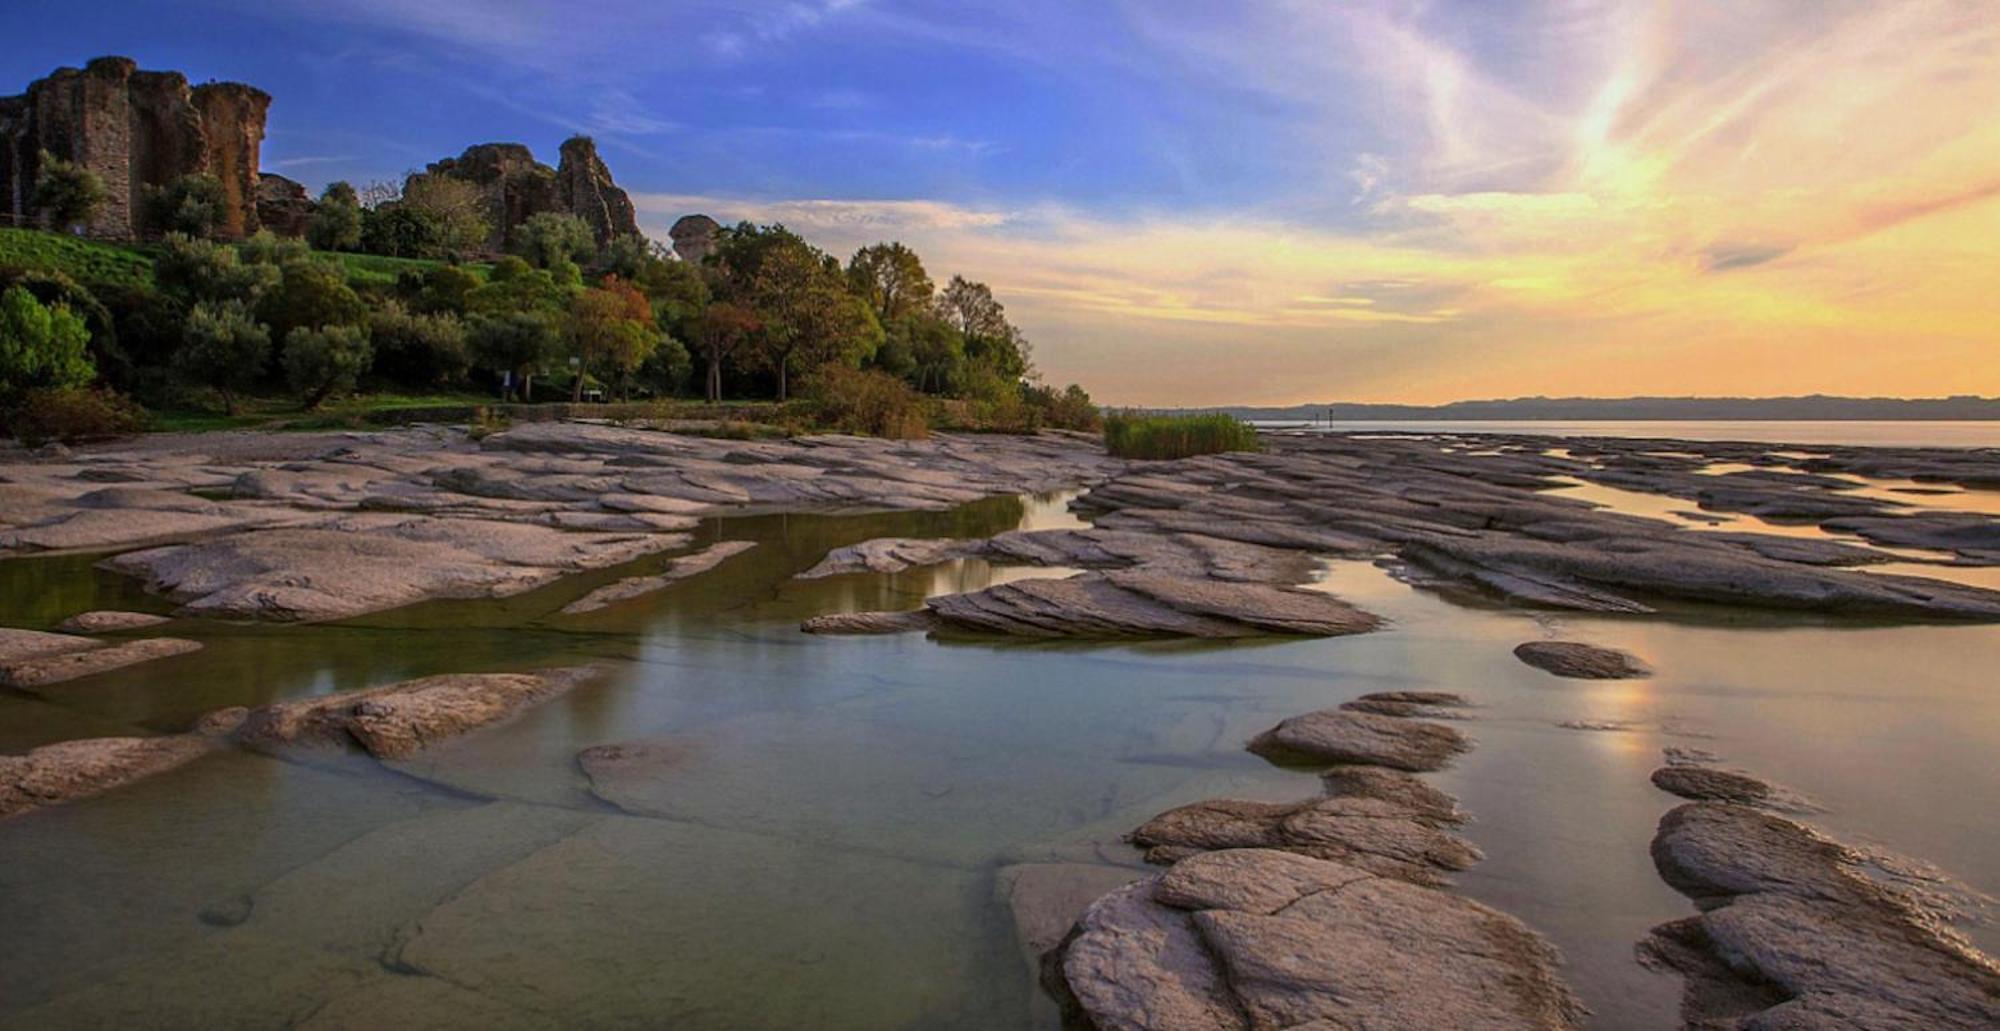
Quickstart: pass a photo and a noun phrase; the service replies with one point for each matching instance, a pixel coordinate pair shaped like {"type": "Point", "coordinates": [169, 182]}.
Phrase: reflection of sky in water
{"type": "Point", "coordinates": [823, 843]}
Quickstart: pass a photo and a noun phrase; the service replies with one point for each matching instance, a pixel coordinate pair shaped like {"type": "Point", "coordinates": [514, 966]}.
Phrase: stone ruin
{"type": "Point", "coordinates": [136, 130]}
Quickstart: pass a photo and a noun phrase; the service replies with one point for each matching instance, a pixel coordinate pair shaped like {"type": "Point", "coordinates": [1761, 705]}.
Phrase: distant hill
{"type": "Point", "coordinates": [1813, 407]}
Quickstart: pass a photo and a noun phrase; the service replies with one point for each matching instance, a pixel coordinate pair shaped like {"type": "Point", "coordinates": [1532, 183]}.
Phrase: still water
{"type": "Point", "coordinates": [1882, 433]}
{"type": "Point", "coordinates": [830, 829]}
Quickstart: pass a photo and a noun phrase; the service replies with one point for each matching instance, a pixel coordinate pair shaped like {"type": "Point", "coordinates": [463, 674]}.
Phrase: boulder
{"type": "Point", "coordinates": [1381, 836]}
{"type": "Point", "coordinates": [70, 665]}
{"type": "Point", "coordinates": [398, 720]}
{"type": "Point", "coordinates": [1581, 661]}
{"type": "Point", "coordinates": [1255, 938]}
{"type": "Point", "coordinates": [1429, 704]}
{"type": "Point", "coordinates": [695, 237]}
{"type": "Point", "coordinates": [71, 770]}
{"type": "Point", "coordinates": [110, 622]}
{"type": "Point", "coordinates": [1332, 736]}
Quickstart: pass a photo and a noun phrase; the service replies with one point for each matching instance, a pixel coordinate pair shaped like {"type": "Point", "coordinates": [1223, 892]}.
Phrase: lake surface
{"type": "Point", "coordinates": [1885, 433]}
{"type": "Point", "coordinates": [839, 809]}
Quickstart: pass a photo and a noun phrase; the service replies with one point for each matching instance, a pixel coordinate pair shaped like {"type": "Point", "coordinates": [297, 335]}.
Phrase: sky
{"type": "Point", "coordinates": [1261, 201]}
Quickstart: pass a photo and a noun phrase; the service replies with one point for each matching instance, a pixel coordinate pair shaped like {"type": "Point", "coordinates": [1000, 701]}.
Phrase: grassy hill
{"type": "Point", "coordinates": [95, 262]}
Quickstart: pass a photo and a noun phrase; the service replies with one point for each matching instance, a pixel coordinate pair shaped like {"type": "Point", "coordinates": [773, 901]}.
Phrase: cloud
{"type": "Point", "coordinates": [1722, 257]}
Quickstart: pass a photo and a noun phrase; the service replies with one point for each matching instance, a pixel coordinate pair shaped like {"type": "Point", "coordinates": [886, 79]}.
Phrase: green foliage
{"type": "Point", "coordinates": [1130, 435]}
{"type": "Point", "coordinates": [515, 287]}
{"type": "Point", "coordinates": [195, 270]}
{"type": "Point", "coordinates": [325, 361]}
{"type": "Point", "coordinates": [71, 414]}
{"type": "Point", "coordinates": [1066, 409]}
{"type": "Point", "coordinates": [446, 289]}
{"type": "Point", "coordinates": [90, 262]}
{"type": "Point", "coordinates": [809, 317]}
{"type": "Point", "coordinates": [66, 193]}
{"type": "Point", "coordinates": [224, 349]}
{"type": "Point", "coordinates": [867, 401]}
{"type": "Point", "coordinates": [310, 293]}
{"type": "Point", "coordinates": [453, 209]}
{"type": "Point", "coordinates": [418, 350]}
{"type": "Point", "coordinates": [513, 341]}
{"type": "Point", "coordinates": [611, 332]}
{"type": "Point", "coordinates": [400, 231]}
{"type": "Point", "coordinates": [378, 270]}
{"type": "Point", "coordinates": [891, 279]}
{"type": "Point", "coordinates": [42, 347]}
{"type": "Point", "coordinates": [265, 247]}
{"type": "Point", "coordinates": [336, 222]}
{"type": "Point", "coordinates": [191, 204]}
{"type": "Point", "coordinates": [549, 238]}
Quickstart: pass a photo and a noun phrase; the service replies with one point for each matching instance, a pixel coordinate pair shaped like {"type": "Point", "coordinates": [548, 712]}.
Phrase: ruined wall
{"type": "Point", "coordinates": [135, 129]}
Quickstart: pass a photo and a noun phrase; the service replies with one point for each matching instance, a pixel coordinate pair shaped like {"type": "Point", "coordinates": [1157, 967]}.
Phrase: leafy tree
{"type": "Point", "coordinates": [197, 270]}
{"type": "Point", "coordinates": [515, 342]}
{"type": "Point", "coordinates": [336, 222]}
{"type": "Point", "coordinates": [310, 294]}
{"type": "Point", "coordinates": [989, 337]}
{"type": "Point", "coordinates": [724, 328]}
{"type": "Point", "coordinates": [399, 231]}
{"type": "Point", "coordinates": [514, 287]}
{"type": "Point", "coordinates": [891, 278]}
{"type": "Point", "coordinates": [265, 247]}
{"type": "Point", "coordinates": [445, 289]}
{"type": "Point", "coordinates": [42, 347]}
{"type": "Point", "coordinates": [809, 317]}
{"type": "Point", "coordinates": [627, 256]}
{"type": "Point", "coordinates": [455, 207]}
{"type": "Point", "coordinates": [612, 333]}
{"type": "Point", "coordinates": [66, 193]}
{"type": "Point", "coordinates": [418, 350]}
{"type": "Point", "coordinates": [551, 237]}
{"type": "Point", "coordinates": [739, 257]}
{"type": "Point", "coordinates": [324, 361]}
{"type": "Point", "coordinates": [191, 204]}
{"type": "Point", "coordinates": [223, 348]}
{"type": "Point", "coordinates": [933, 349]}
{"type": "Point", "coordinates": [667, 369]}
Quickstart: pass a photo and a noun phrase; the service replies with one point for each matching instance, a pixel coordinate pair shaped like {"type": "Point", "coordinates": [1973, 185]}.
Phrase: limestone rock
{"type": "Point", "coordinates": [584, 184]}
{"type": "Point", "coordinates": [1429, 704]}
{"type": "Point", "coordinates": [866, 623]}
{"type": "Point", "coordinates": [398, 720]}
{"type": "Point", "coordinates": [283, 206]}
{"type": "Point", "coordinates": [1383, 837]}
{"type": "Point", "coordinates": [70, 665]}
{"type": "Point", "coordinates": [1581, 661]}
{"type": "Point", "coordinates": [676, 570]}
{"type": "Point", "coordinates": [695, 237]}
{"type": "Point", "coordinates": [70, 770]}
{"type": "Point", "coordinates": [111, 622]}
{"type": "Point", "coordinates": [1708, 784]}
{"type": "Point", "coordinates": [1138, 603]}
{"type": "Point", "coordinates": [1331, 736]}
{"type": "Point", "coordinates": [1261, 939]}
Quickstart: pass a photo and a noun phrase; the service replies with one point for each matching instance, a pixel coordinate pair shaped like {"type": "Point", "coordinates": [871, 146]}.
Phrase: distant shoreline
{"type": "Point", "coordinates": [1811, 408]}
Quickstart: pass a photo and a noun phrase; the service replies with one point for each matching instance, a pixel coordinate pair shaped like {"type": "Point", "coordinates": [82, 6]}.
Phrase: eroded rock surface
{"type": "Point", "coordinates": [99, 658]}
{"type": "Point", "coordinates": [1379, 835]}
{"type": "Point", "coordinates": [1793, 935]}
{"type": "Point", "coordinates": [1257, 938]}
{"type": "Point", "coordinates": [1581, 661]}
{"type": "Point", "coordinates": [72, 770]}
{"type": "Point", "coordinates": [398, 720]}
{"type": "Point", "coordinates": [1430, 704]}
{"type": "Point", "coordinates": [1333, 736]}
{"type": "Point", "coordinates": [676, 570]}
{"type": "Point", "coordinates": [110, 622]}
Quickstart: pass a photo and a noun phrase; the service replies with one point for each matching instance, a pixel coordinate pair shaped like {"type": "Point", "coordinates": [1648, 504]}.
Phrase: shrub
{"type": "Point", "coordinates": [222, 349]}
{"type": "Point", "coordinates": [336, 221]}
{"type": "Point", "coordinates": [418, 350]}
{"type": "Point", "coordinates": [322, 362]}
{"type": "Point", "coordinates": [71, 414]}
{"type": "Point", "coordinates": [1130, 435]}
{"type": "Point", "coordinates": [310, 293]}
{"type": "Point", "coordinates": [66, 193]}
{"type": "Point", "coordinates": [1066, 409]}
{"type": "Point", "coordinates": [868, 401]}
{"type": "Point", "coordinates": [42, 347]}
{"type": "Point", "coordinates": [202, 270]}
{"type": "Point", "coordinates": [551, 237]}
{"type": "Point", "coordinates": [191, 204]}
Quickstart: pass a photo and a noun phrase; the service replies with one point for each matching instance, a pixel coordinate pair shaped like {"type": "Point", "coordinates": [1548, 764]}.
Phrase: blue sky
{"type": "Point", "coordinates": [1256, 201]}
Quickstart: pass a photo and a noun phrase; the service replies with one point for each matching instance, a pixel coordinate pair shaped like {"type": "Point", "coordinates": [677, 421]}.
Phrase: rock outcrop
{"type": "Point", "coordinates": [70, 770]}
{"type": "Point", "coordinates": [283, 206]}
{"type": "Point", "coordinates": [137, 130]}
{"type": "Point", "coordinates": [397, 721]}
{"type": "Point", "coordinates": [1580, 661]}
{"type": "Point", "coordinates": [584, 184]}
{"type": "Point", "coordinates": [518, 187]}
{"type": "Point", "coordinates": [695, 237]}
{"type": "Point", "coordinates": [1337, 736]}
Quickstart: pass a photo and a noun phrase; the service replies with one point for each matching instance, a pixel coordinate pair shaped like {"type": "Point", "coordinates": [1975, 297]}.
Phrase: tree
{"type": "Point", "coordinates": [723, 329]}
{"type": "Point", "coordinates": [936, 352]}
{"type": "Point", "coordinates": [310, 294]}
{"type": "Point", "coordinates": [809, 317]}
{"type": "Point", "coordinates": [551, 238]}
{"type": "Point", "coordinates": [336, 222]}
{"type": "Point", "coordinates": [66, 193]}
{"type": "Point", "coordinates": [611, 333]}
{"type": "Point", "coordinates": [196, 270]}
{"type": "Point", "coordinates": [515, 343]}
{"type": "Point", "coordinates": [628, 255]}
{"type": "Point", "coordinates": [445, 289]}
{"type": "Point", "coordinates": [398, 231]}
{"type": "Point", "coordinates": [455, 207]}
{"type": "Point", "coordinates": [191, 204]}
{"type": "Point", "coordinates": [422, 351]}
{"type": "Point", "coordinates": [324, 361]}
{"type": "Point", "coordinates": [891, 278]}
{"type": "Point", "coordinates": [222, 348]}
{"type": "Point", "coordinates": [989, 337]}
{"type": "Point", "coordinates": [42, 347]}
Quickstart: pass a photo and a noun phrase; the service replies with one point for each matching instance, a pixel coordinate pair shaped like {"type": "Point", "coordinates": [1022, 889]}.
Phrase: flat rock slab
{"type": "Point", "coordinates": [1429, 704]}
{"type": "Point", "coordinates": [1255, 938]}
{"type": "Point", "coordinates": [70, 665]}
{"type": "Point", "coordinates": [1705, 783]}
{"type": "Point", "coordinates": [71, 770]}
{"type": "Point", "coordinates": [1581, 661]}
{"type": "Point", "coordinates": [398, 720]}
{"type": "Point", "coordinates": [102, 622]}
{"type": "Point", "coordinates": [16, 645]}
{"type": "Point", "coordinates": [1383, 837]}
{"type": "Point", "coordinates": [891, 555]}
{"type": "Point", "coordinates": [1332, 736]}
{"type": "Point", "coordinates": [1138, 603]}
{"type": "Point", "coordinates": [1793, 935]}
{"type": "Point", "coordinates": [677, 569]}
{"type": "Point", "coordinates": [866, 623]}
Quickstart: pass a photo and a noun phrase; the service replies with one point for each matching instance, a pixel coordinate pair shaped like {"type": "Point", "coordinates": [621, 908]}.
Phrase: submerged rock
{"type": "Point", "coordinates": [1581, 661]}
{"type": "Point", "coordinates": [90, 661]}
{"type": "Point", "coordinates": [398, 720]}
{"type": "Point", "coordinates": [860, 623]}
{"type": "Point", "coordinates": [1705, 783]}
{"type": "Point", "coordinates": [110, 622]}
{"type": "Point", "coordinates": [1793, 935]}
{"type": "Point", "coordinates": [1137, 603]}
{"type": "Point", "coordinates": [676, 570]}
{"type": "Point", "coordinates": [1255, 938]}
{"type": "Point", "coordinates": [71, 770]}
{"type": "Point", "coordinates": [1332, 736]}
{"type": "Point", "coordinates": [1430, 704]}
{"type": "Point", "coordinates": [1380, 835]}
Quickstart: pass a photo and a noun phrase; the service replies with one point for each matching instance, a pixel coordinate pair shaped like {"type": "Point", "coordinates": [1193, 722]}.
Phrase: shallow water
{"type": "Point", "coordinates": [1875, 433]}
{"type": "Point", "coordinates": [822, 851]}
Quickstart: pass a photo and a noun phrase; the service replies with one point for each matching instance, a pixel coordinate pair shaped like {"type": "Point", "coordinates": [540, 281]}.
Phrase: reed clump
{"type": "Point", "coordinates": [1139, 435]}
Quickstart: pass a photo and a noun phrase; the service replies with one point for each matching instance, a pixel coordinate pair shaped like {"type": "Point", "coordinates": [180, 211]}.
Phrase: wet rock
{"type": "Point", "coordinates": [1705, 783]}
{"type": "Point", "coordinates": [862, 623]}
{"type": "Point", "coordinates": [1046, 900]}
{"type": "Point", "coordinates": [890, 555]}
{"type": "Point", "coordinates": [70, 665]}
{"type": "Point", "coordinates": [1422, 801]}
{"type": "Point", "coordinates": [630, 774]}
{"type": "Point", "coordinates": [110, 622]}
{"type": "Point", "coordinates": [1380, 835]}
{"type": "Point", "coordinates": [1581, 661]}
{"type": "Point", "coordinates": [228, 912]}
{"type": "Point", "coordinates": [1257, 938]}
{"type": "Point", "coordinates": [71, 770]}
{"type": "Point", "coordinates": [398, 720]}
{"type": "Point", "coordinates": [1332, 736]}
{"type": "Point", "coordinates": [1431, 704]}
{"type": "Point", "coordinates": [1793, 935]}
{"type": "Point", "coordinates": [17, 645]}
{"type": "Point", "coordinates": [1137, 603]}
{"type": "Point", "coordinates": [676, 570]}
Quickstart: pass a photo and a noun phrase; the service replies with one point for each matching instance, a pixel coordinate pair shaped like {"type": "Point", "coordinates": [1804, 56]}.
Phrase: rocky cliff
{"type": "Point", "coordinates": [135, 129]}
{"type": "Point", "coordinates": [518, 187]}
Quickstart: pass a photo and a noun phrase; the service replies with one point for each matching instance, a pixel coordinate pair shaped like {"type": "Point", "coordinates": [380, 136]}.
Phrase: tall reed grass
{"type": "Point", "coordinates": [1138, 435]}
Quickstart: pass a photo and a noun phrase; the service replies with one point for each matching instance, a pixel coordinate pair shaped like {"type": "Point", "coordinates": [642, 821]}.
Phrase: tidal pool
{"type": "Point", "coordinates": [822, 850]}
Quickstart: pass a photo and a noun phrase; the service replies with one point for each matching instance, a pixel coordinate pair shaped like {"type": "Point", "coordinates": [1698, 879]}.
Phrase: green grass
{"type": "Point", "coordinates": [90, 262]}
{"type": "Point", "coordinates": [285, 413]}
{"type": "Point", "coordinates": [375, 269]}
{"type": "Point", "coordinates": [1177, 436]}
